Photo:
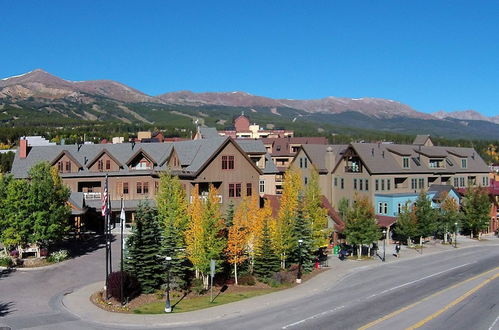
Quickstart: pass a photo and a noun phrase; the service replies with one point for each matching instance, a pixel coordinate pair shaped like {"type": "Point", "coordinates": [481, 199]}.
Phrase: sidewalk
{"type": "Point", "coordinates": [79, 304]}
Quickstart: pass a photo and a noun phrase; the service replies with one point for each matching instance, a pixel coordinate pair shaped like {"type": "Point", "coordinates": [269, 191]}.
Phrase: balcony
{"type": "Point", "coordinates": [204, 198]}
{"type": "Point", "coordinates": [354, 168]}
{"type": "Point", "coordinates": [89, 196]}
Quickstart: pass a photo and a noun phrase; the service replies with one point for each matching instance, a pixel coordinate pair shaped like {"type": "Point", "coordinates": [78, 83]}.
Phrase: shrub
{"type": "Point", "coordinates": [6, 262]}
{"type": "Point", "coordinates": [131, 287]}
{"type": "Point", "coordinates": [197, 286]}
{"type": "Point", "coordinates": [246, 280]}
{"type": "Point", "coordinates": [58, 256]}
{"type": "Point", "coordinates": [271, 282]}
{"type": "Point", "coordinates": [282, 277]}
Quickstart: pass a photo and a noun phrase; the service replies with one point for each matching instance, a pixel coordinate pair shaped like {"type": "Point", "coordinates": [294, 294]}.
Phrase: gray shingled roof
{"type": "Point", "coordinates": [421, 139]}
{"type": "Point", "coordinates": [379, 159]}
{"type": "Point", "coordinates": [208, 132]}
{"type": "Point", "coordinates": [317, 154]}
{"type": "Point", "coordinates": [251, 146]}
{"type": "Point", "coordinates": [270, 167]}
{"type": "Point", "coordinates": [195, 153]}
{"type": "Point", "coordinates": [440, 190]}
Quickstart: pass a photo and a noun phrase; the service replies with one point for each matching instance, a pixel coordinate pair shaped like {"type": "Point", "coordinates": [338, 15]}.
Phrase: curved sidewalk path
{"type": "Point", "coordinates": [78, 302]}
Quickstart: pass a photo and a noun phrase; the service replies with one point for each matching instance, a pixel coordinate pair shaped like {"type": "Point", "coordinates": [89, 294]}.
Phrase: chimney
{"type": "Point", "coordinates": [23, 148]}
{"type": "Point", "coordinates": [372, 152]}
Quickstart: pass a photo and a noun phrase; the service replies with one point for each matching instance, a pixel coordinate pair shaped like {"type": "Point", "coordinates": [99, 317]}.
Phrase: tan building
{"type": "Point", "coordinates": [133, 171]}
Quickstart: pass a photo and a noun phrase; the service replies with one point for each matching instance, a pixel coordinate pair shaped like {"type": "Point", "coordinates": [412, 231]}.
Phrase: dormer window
{"type": "Point", "coordinates": [68, 166]}
{"type": "Point", "coordinates": [436, 163]}
{"type": "Point", "coordinates": [100, 165]}
{"type": "Point", "coordinates": [143, 165]}
{"type": "Point", "coordinates": [60, 166]}
{"type": "Point", "coordinates": [464, 163]}
{"type": "Point", "coordinates": [405, 162]}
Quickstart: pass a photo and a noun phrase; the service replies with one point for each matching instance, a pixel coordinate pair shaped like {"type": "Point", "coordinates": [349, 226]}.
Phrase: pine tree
{"type": "Point", "coordinates": [302, 231]}
{"type": "Point", "coordinates": [144, 246]}
{"type": "Point", "coordinates": [315, 214]}
{"type": "Point", "coordinates": [360, 226]}
{"type": "Point", "coordinates": [476, 206]}
{"type": "Point", "coordinates": [229, 214]}
{"type": "Point", "coordinates": [173, 218]}
{"type": "Point", "coordinates": [267, 262]}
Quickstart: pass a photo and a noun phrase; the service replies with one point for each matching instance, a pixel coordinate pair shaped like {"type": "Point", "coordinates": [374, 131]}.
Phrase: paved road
{"type": "Point", "coordinates": [361, 298]}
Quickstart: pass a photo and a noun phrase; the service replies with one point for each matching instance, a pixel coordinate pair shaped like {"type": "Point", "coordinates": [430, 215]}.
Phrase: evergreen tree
{"type": "Point", "coordinates": [426, 216]}
{"type": "Point", "coordinates": [229, 214]}
{"type": "Point", "coordinates": [173, 218]}
{"type": "Point", "coordinates": [302, 231]}
{"type": "Point", "coordinates": [360, 226]}
{"type": "Point", "coordinates": [144, 247]}
{"type": "Point", "coordinates": [476, 206]}
{"type": "Point", "coordinates": [267, 262]}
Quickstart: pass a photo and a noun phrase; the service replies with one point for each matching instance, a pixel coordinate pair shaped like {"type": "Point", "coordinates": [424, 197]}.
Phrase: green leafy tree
{"type": "Point", "coordinates": [15, 220]}
{"type": "Point", "coordinates": [360, 225]}
{"type": "Point", "coordinates": [267, 262]}
{"type": "Point", "coordinates": [448, 215]}
{"type": "Point", "coordinates": [407, 224]}
{"type": "Point", "coordinates": [144, 247]}
{"type": "Point", "coordinates": [476, 206]}
{"type": "Point", "coordinates": [426, 216]}
{"type": "Point", "coordinates": [173, 218]}
{"type": "Point", "coordinates": [343, 207]}
{"type": "Point", "coordinates": [314, 214]}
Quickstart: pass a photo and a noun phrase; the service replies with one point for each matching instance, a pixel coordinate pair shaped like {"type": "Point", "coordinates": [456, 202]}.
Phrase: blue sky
{"type": "Point", "coordinates": [431, 55]}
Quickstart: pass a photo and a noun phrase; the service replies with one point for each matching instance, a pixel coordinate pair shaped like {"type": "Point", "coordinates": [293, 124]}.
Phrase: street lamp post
{"type": "Point", "coordinates": [455, 234]}
{"type": "Point", "coordinates": [298, 276]}
{"type": "Point", "coordinates": [168, 307]}
{"type": "Point", "coordinates": [384, 244]}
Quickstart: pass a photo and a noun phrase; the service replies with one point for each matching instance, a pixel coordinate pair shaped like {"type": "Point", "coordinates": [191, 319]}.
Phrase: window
{"type": "Point", "coordinates": [125, 188]}
{"type": "Point", "coordinates": [405, 162]}
{"type": "Point", "coordinates": [301, 162]}
{"type": "Point", "coordinates": [100, 165]}
{"type": "Point", "coordinates": [361, 182]}
{"type": "Point", "coordinates": [335, 182]}
{"type": "Point", "coordinates": [249, 189]}
{"type": "Point", "coordinates": [376, 184]}
{"type": "Point", "coordinates": [342, 183]}
{"type": "Point", "coordinates": [60, 167]}
{"type": "Point", "coordinates": [262, 186]}
{"type": "Point", "coordinates": [461, 182]}
{"type": "Point", "coordinates": [435, 163]}
{"type": "Point", "coordinates": [380, 208]}
{"type": "Point", "coordinates": [306, 180]}
{"type": "Point", "coordinates": [68, 166]}
{"type": "Point", "coordinates": [238, 190]}
{"type": "Point", "coordinates": [421, 183]}
{"type": "Point", "coordinates": [485, 182]}
{"type": "Point", "coordinates": [385, 208]}
{"type": "Point", "coordinates": [367, 184]}
{"type": "Point", "coordinates": [416, 161]}
{"type": "Point", "coordinates": [108, 164]}
{"type": "Point", "coordinates": [399, 208]}
{"type": "Point", "coordinates": [139, 187]}
{"type": "Point", "coordinates": [388, 184]}
{"type": "Point", "coordinates": [382, 184]}
{"type": "Point", "coordinates": [145, 189]}
{"type": "Point", "coordinates": [355, 184]}
{"type": "Point", "coordinates": [456, 182]}
{"type": "Point", "coordinates": [305, 162]}
{"type": "Point", "coordinates": [232, 190]}
{"type": "Point", "coordinates": [414, 184]}
{"type": "Point", "coordinates": [227, 162]}
{"type": "Point", "coordinates": [464, 163]}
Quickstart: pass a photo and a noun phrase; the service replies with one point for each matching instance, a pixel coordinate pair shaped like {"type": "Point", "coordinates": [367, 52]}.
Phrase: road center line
{"type": "Point", "coordinates": [403, 309]}
{"type": "Point", "coordinates": [453, 303]}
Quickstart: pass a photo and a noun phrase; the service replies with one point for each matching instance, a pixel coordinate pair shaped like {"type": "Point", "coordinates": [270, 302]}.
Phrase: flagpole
{"type": "Point", "coordinates": [122, 222]}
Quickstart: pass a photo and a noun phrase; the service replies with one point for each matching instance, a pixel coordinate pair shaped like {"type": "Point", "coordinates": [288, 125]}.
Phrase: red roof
{"type": "Point", "coordinates": [385, 221]}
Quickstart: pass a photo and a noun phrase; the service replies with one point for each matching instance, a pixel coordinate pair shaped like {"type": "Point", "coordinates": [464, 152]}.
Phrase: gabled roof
{"type": "Point", "coordinates": [251, 146]}
{"type": "Point", "coordinates": [99, 155]}
{"type": "Point", "coordinates": [68, 154]}
{"type": "Point", "coordinates": [317, 153]}
{"type": "Point", "coordinates": [208, 132]}
{"type": "Point", "coordinates": [270, 167]}
{"type": "Point", "coordinates": [421, 139]}
{"type": "Point", "coordinates": [141, 151]}
{"type": "Point", "coordinates": [441, 190]}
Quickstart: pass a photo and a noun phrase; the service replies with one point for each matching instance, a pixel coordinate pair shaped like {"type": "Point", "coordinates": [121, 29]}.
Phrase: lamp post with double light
{"type": "Point", "coordinates": [168, 307]}
{"type": "Point", "coordinates": [384, 244]}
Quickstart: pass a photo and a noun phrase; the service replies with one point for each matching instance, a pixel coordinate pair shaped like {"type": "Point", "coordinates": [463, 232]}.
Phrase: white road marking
{"type": "Point", "coordinates": [313, 317]}
{"type": "Point", "coordinates": [374, 295]}
{"type": "Point", "coordinates": [494, 323]}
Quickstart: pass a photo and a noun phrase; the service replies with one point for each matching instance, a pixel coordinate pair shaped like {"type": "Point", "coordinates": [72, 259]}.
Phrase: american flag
{"type": "Point", "coordinates": [104, 200]}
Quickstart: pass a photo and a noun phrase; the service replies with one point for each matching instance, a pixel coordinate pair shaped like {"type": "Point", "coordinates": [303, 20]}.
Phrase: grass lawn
{"type": "Point", "coordinates": [191, 304]}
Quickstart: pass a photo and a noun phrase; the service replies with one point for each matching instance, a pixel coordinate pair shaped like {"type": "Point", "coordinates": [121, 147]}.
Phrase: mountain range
{"type": "Point", "coordinates": [42, 94]}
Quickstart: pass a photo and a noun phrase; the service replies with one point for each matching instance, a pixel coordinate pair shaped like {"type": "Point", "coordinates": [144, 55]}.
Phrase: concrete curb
{"type": "Point", "coordinates": [31, 269]}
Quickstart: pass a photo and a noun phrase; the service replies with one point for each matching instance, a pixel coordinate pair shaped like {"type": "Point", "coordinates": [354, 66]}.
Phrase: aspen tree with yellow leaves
{"type": "Point", "coordinates": [237, 243]}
